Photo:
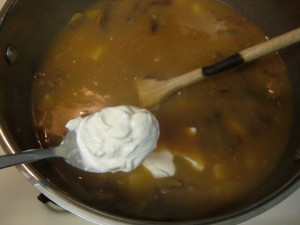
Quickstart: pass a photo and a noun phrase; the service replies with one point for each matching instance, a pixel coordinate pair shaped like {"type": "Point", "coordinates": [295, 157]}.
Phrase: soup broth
{"type": "Point", "coordinates": [226, 133]}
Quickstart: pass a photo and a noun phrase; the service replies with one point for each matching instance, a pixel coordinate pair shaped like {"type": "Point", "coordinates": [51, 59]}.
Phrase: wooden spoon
{"type": "Point", "coordinates": [152, 92]}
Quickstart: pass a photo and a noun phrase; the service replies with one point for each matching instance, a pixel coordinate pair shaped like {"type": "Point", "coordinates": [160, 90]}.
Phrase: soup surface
{"type": "Point", "coordinates": [226, 133]}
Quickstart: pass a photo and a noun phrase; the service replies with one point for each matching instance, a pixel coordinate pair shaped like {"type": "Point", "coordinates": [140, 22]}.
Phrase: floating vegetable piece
{"type": "Point", "coordinates": [76, 19]}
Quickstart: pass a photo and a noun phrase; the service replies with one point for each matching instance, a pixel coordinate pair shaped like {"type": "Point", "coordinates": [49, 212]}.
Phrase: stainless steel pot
{"type": "Point", "coordinates": [26, 28]}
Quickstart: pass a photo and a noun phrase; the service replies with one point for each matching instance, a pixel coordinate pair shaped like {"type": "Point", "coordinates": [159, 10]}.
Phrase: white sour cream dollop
{"type": "Point", "coordinates": [113, 139]}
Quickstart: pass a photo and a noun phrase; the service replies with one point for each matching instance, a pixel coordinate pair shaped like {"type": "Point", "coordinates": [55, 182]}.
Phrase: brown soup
{"type": "Point", "coordinates": [234, 126]}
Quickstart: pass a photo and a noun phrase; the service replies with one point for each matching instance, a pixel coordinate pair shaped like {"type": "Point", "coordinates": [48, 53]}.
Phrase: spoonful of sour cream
{"type": "Point", "coordinates": [110, 140]}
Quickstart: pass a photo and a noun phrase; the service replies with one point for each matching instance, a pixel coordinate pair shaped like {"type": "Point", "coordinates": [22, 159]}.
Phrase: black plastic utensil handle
{"type": "Point", "coordinates": [226, 64]}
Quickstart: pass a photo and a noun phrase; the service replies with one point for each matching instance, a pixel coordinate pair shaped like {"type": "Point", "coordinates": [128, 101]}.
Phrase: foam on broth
{"type": "Point", "coordinates": [234, 126]}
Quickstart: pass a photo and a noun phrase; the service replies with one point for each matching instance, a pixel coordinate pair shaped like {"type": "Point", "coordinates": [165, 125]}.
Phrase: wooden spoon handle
{"type": "Point", "coordinates": [152, 92]}
{"type": "Point", "coordinates": [254, 52]}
